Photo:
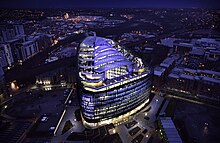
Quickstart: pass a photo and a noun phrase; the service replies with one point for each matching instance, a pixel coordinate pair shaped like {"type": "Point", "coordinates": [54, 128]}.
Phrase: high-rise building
{"type": "Point", "coordinates": [114, 84]}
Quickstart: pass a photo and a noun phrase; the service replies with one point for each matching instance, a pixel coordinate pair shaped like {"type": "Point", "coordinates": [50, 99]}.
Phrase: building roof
{"type": "Point", "coordinates": [187, 45]}
{"type": "Point", "coordinates": [213, 80]}
{"type": "Point", "coordinates": [197, 51]}
{"type": "Point", "coordinates": [191, 74]}
{"type": "Point", "coordinates": [167, 62]}
{"type": "Point", "coordinates": [172, 75]}
{"type": "Point", "coordinates": [207, 40]}
{"type": "Point", "coordinates": [89, 41]}
{"type": "Point", "coordinates": [159, 71]}
{"type": "Point", "coordinates": [189, 70]}
{"type": "Point", "coordinates": [187, 76]}
{"type": "Point", "coordinates": [170, 130]}
{"type": "Point", "coordinates": [211, 72]}
{"type": "Point", "coordinates": [28, 42]}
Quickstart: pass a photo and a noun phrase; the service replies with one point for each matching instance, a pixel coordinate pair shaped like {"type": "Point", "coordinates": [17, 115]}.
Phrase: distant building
{"type": "Point", "coordinates": [1, 73]}
{"type": "Point", "coordinates": [51, 38]}
{"type": "Point", "coordinates": [207, 42]}
{"type": "Point", "coordinates": [19, 29]}
{"type": "Point", "coordinates": [6, 34]}
{"type": "Point", "coordinates": [213, 55]}
{"type": "Point", "coordinates": [12, 44]}
{"type": "Point", "coordinates": [6, 58]}
{"type": "Point", "coordinates": [2, 84]}
{"type": "Point", "coordinates": [159, 76]}
{"type": "Point", "coordinates": [10, 31]}
{"type": "Point", "coordinates": [161, 72]}
{"type": "Point", "coordinates": [183, 48]}
{"type": "Point", "coordinates": [43, 40]}
{"type": "Point", "coordinates": [58, 76]}
{"type": "Point", "coordinates": [168, 63]}
{"type": "Point", "coordinates": [26, 50]}
{"type": "Point", "coordinates": [197, 53]}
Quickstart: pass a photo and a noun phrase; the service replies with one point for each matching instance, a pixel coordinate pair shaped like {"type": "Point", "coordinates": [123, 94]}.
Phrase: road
{"type": "Point", "coordinates": [77, 125]}
{"type": "Point", "coordinates": [69, 115]}
{"type": "Point", "coordinates": [193, 101]}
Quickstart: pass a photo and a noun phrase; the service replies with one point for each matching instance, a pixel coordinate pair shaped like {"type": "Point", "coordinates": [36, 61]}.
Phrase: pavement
{"type": "Point", "coordinates": [141, 122]}
{"type": "Point", "coordinates": [77, 125]}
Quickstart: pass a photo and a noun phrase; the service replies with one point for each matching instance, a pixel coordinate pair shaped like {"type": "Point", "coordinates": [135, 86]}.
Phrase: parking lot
{"type": "Point", "coordinates": [37, 103]}
{"type": "Point", "coordinates": [16, 128]}
{"type": "Point", "coordinates": [197, 123]}
{"type": "Point", "coordinates": [37, 111]}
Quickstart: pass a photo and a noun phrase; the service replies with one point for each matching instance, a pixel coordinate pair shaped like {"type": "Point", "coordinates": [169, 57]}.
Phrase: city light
{"type": "Point", "coordinates": [14, 85]}
{"type": "Point", "coordinates": [117, 71]}
{"type": "Point", "coordinates": [114, 131]}
{"type": "Point", "coordinates": [66, 15]}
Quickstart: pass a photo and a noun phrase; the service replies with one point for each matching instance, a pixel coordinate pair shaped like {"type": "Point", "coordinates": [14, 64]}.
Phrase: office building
{"type": "Point", "coordinates": [114, 84]}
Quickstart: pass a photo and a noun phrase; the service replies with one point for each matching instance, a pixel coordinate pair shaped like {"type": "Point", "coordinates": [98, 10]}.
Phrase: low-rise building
{"type": "Point", "coordinates": [183, 48]}
{"type": "Point", "coordinates": [6, 58]}
{"type": "Point", "coordinates": [162, 71]}
{"type": "Point", "coordinates": [199, 82]}
{"type": "Point", "coordinates": [159, 76]}
{"type": "Point", "coordinates": [26, 50]}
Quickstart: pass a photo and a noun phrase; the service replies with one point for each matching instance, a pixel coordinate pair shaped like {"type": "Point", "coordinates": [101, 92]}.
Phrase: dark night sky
{"type": "Point", "coordinates": [109, 3]}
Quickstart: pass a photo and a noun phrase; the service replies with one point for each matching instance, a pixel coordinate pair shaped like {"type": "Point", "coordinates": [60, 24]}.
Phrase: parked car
{"type": "Point", "coordinates": [44, 119]}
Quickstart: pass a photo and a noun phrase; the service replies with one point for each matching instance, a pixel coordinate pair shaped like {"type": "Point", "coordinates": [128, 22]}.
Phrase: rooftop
{"type": "Point", "coordinates": [191, 74]}
{"type": "Point", "coordinates": [197, 51]}
{"type": "Point", "coordinates": [103, 64]}
{"type": "Point", "coordinates": [167, 62]}
{"type": "Point", "coordinates": [170, 130]}
{"type": "Point", "coordinates": [159, 71]}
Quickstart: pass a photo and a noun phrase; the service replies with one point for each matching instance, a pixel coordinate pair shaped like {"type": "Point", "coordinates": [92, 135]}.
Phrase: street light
{"type": "Point", "coordinates": [114, 131]}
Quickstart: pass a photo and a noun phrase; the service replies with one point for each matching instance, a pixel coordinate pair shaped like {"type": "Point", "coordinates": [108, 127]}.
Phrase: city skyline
{"type": "Point", "coordinates": [72, 72]}
{"type": "Point", "coordinates": [110, 4]}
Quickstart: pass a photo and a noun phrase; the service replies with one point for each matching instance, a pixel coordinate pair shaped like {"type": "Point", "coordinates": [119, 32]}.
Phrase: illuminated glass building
{"type": "Point", "coordinates": [114, 83]}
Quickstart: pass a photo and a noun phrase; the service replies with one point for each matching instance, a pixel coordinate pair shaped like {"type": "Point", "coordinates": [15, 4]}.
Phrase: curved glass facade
{"type": "Point", "coordinates": [114, 83]}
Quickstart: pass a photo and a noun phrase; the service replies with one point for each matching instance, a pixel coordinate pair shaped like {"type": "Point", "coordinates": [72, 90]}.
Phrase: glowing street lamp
{"type": "Point", "coordinates": [114, 131]}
